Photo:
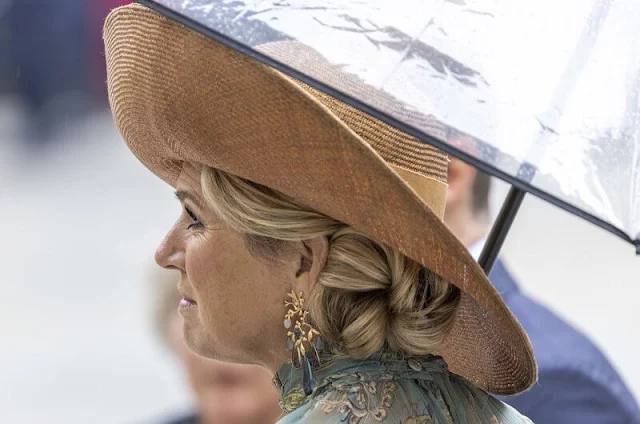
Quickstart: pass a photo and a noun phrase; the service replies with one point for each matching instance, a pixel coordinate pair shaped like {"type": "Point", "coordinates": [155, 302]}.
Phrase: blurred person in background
{"type": "Point", "coordinates": [224, 393]}
{"type": "Point", "coordinates": [49, 52]}
{"type": "Point", "coordinates": [7, 74]}
{"type": "Point", "coordinates": [576, 383]}
{"type": "Point", "coordinates": [53, 62]}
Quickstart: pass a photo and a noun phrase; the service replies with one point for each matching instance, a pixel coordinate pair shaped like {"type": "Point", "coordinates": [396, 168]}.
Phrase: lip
{"type": "Point", "coordinates": [186, 303]}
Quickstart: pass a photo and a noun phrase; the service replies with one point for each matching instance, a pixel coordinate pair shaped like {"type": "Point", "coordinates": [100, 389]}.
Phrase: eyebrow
{"type": "Point", "coordinates": [183, 195]}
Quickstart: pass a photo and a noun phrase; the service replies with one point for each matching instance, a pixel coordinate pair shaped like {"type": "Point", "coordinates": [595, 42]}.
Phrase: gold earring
{"type": "Point", "coordinates": [303, 341]}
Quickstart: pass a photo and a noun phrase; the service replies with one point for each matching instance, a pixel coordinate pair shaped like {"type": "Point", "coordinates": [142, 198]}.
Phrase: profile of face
{"type": "Point", "coordinates": [226, 393]}
{"type": "Point", "coordinates": [233, 301]}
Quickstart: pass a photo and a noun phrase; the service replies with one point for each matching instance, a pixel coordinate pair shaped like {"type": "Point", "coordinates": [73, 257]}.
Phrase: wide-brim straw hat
{"type": "Point", "coordinates": [178, 96]}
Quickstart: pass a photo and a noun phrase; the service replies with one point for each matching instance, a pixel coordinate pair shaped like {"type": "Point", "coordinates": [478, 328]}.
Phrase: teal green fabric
{"type": "Point", "coordinates": [386, 390]}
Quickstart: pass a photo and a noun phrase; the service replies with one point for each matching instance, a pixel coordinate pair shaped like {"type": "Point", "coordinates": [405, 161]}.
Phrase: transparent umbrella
{"type": "Point", "coordinates": [544, 95]}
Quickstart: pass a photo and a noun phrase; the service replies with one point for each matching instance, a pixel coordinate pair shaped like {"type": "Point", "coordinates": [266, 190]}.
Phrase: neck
{"type": "Point", "coordinates": [276, 361]}
{"type": "Point", "coordinates": [270, 352]}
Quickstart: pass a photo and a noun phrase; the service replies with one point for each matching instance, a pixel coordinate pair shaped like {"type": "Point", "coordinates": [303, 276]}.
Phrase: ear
{"type": "Point", "coordinates": [313, 258]}
{"type": "Point", "coordinates": [460, 179]}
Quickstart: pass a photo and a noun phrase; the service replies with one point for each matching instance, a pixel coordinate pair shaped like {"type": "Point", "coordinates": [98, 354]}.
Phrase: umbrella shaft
{"type": "Point", "coordinates": [501, 229]}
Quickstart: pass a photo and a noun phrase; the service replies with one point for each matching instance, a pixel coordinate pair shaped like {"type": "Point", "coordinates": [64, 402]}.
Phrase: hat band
{"type": "Point", "coordinates": [431, 191]}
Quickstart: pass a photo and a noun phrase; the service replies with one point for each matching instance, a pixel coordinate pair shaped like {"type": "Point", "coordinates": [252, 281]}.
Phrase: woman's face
{"type": "Point", "coordinates": [233, 302]}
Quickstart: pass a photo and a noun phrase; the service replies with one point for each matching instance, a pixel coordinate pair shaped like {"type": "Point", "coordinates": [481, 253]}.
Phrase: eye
{"type": "Point", "coordinates": [196, 223]}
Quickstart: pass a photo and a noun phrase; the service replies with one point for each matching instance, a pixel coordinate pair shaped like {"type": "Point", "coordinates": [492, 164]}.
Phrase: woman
{"type": "Point", "coordinates": [223, 393]}
{"type": "Point", "coordinates": [311, 240]}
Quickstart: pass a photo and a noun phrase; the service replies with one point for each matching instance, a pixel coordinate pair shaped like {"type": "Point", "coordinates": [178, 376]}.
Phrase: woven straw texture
{"type": "Point", "coordinates": [396, 147]}
{"type": "Point", "coordinates": [178, 96]}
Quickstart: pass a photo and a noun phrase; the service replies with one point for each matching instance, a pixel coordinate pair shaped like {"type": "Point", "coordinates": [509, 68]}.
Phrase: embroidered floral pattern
{"type": "Point", "coordinates": [390, 391]}
{"type": "Point", "coordinates": [359, 396]}
{"type": "Point", "coordinates": [293, 399]}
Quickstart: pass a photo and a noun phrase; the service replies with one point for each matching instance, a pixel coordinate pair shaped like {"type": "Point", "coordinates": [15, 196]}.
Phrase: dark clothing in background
{"type": "Point", "coordinates": [187, 419]}
{"type": "Point", "coordinates": [49, 52]}
{"type": "Point", "coordinates": [577, 384]}
{"type": "Point", "coordinates": [53, 60]}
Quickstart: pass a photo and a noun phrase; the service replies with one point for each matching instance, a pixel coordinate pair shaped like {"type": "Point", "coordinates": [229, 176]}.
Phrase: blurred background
{"type": "Point", "coordinates": [80, 219]}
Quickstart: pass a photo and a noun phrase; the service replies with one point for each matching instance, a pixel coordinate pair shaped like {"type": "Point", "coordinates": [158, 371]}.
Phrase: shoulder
{"type": "Point", "coordinates": [556, 343]}
{"type": "Point", "coordinates": [558, 346]}
{"type": "Point", "coordinates": [568, 395]}
{"type": "Point", "coordinates": [363, 398]}
{"type": "Point", "coordinates": [566, 358]}
{"type": "Point", "coordinates": [574, 375]}
{"type": "Point", "coordinates": [573, 372]}
{"type": "Point", "coordinates": [356, 398]}
{"type": "Point", "coordinates": [552, 337]}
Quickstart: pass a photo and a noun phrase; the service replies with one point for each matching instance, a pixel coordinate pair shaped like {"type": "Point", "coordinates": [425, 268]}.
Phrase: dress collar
{"type": "Point", "coordinates": [384, 365]}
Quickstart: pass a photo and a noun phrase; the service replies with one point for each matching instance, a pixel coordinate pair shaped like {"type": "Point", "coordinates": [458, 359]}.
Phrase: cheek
{"type": "Point", "coordinates": [220, 271]}
{"type": "Point", "coordinates": [236, 293]}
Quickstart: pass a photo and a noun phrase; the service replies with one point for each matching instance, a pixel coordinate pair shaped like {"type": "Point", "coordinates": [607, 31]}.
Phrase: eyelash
{"type": "Point", "coordinates": [197, 223]}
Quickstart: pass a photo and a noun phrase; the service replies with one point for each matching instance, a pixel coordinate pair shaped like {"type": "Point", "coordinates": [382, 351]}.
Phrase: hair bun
{"type": "Point", "coordinates": [370, 295]}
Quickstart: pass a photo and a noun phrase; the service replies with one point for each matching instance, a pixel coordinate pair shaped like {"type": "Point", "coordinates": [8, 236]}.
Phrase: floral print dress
{"type": "Point", "coordinates": [386, 390]}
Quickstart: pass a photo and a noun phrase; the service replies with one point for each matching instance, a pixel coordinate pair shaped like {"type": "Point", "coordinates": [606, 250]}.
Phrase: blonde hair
{"type": "Point", "coordinates": [367, 296]}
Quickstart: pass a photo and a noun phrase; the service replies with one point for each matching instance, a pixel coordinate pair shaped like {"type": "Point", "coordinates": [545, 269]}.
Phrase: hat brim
{"type": "Point", "coordinates": [178, 97]}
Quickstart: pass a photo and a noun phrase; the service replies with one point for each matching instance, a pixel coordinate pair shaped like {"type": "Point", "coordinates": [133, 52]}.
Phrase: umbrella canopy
{"type": "Point", "coordinates": [544, 95]}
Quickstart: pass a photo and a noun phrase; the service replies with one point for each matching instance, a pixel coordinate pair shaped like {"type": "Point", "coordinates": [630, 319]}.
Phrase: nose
{"type": "Point", "coordinates": [170, 252]}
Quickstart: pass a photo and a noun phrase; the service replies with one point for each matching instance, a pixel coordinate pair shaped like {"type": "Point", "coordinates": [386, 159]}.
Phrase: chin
{"type": "Point", "coordinates": [199, 341]}
{"type": "Point", "coordinates": [195, 337]}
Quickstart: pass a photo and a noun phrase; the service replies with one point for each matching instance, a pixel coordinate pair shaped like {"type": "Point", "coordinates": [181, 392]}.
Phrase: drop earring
{"type": "Point", "coordinates": [303, 341]}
